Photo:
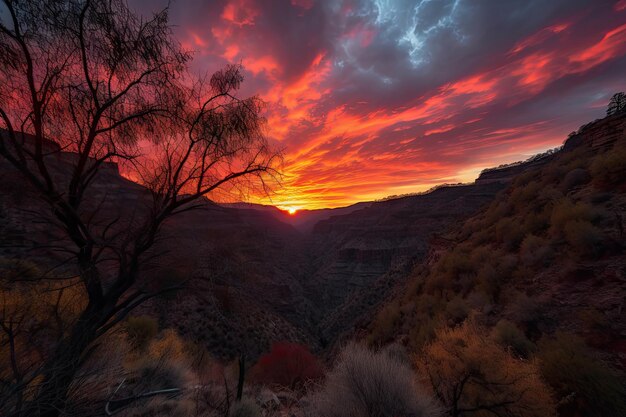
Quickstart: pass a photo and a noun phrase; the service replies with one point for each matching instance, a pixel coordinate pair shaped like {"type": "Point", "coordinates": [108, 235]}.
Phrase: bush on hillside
{"type": "Point", "coordinates": [18, 270]}
{"type": "Point", "coordinates": [141, 330]}
{"type": "Point", "coordinates": [586, 385]}
{"type": "Point", "coordinates": [472, 374]}
{"type": "Point", "coordinates": [509, 336]}
{"type": "Point", "coordinates": [423, 332]}
{"type": "Point", "coordinates": [163, 364]}
{"type": "Point", "coordinates": [527, 311]}
{"type": "Point", "coordinates": [575, 178]}
{"type": "Point", "coordinates": [365, 383]}
{"type": "Point", "coordinates": [536, 221]}
{"type": "Point", "coordinates": [489, 279]}
{"type": "Point", "coordinates": [565, 211]}
{"type": "Point", "coordinates": [584, 238]}
{"type": "Point", "coordinates": [536, 251]}
{"type": "Point", "coordinates": [509, 233]}
{"type": "Point", "coordinates": [457, 310]}
{"type": "Point", "coordinates": [610, 168]}
{"type": "Point", "coordinates": [287, 364]}
{"type": "Point", "coordinates": [385, 324]}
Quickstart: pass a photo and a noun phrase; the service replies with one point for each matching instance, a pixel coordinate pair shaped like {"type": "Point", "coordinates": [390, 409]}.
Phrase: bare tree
{"type": "Point", "coordinates": [111, 87]}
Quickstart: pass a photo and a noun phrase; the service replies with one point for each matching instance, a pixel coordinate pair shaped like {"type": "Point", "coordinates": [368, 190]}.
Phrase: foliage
{"type": "Point", "coordinates": [287, 364]}
{"type": "Point", "coordinates": [387, 320]}
{"type": "Point", "coordinates": [19, 270]}
{"type": "Point", "coordinates": [584, 237]}
{"type": "Point", "coordinates": [246, 407]}
{"type": "Point", "coordinates": [566, 211]}
{"type": "Point", "coordinates": [609, 168]}
{"type": "Point", "coordinates": [88, 82]}
{"type": "Point", "coordinates": [617, 104]}
{"type": "Point", "coordinates": [536, 251]}
{"type": "Point", "coordinates": [457, 310]}
{"type": "Point", "coordinates": [548, 218]}
{"type": "Point", "coordinates": [164, 364]}
{"type": "Point", "coordinates": [364, 383]}
{"type": "Point", "coordinates": [471, 374]}
{"type": "Point", "coordinates": [31, 313]}
{"type": "Point", "coordinates": [574, 178]}
{"type": "Point", "coordinates": [587, 385]}
{"type": "Point", "coordinates": [509, 336]}
{"type": "Point", "coordinates": [141, 330]}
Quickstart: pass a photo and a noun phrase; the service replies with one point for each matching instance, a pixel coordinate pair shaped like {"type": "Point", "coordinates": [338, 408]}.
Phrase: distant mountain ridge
{"type": "Point", "coordinates": [264, 275]}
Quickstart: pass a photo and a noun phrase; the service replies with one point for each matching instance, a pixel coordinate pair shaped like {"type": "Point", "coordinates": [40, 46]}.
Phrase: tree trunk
{"type": "Point", "coordinates": [242, 374]}
{"type": "Point", "coordinates": [60, 370]}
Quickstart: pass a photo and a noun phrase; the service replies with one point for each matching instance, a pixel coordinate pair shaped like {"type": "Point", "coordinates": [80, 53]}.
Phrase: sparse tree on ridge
{"type": "Point", "coordinates": [617, 104]}
{"type": "Point", "coordinates": [109, 86]}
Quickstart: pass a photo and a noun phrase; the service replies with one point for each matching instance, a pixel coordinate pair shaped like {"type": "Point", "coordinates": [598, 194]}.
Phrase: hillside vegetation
{"type": "Point", "coordinates": [515, 309]}
{"type": "Point", "coordinates": [539, 275]}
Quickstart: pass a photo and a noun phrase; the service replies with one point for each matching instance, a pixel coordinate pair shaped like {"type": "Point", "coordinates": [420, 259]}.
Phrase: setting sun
{"type": "Point", "coordinates": [292, 210]}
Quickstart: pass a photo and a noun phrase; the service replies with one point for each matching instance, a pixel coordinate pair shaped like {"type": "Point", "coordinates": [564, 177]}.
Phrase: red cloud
{"type": "Point", "coordinates": [340, 152]}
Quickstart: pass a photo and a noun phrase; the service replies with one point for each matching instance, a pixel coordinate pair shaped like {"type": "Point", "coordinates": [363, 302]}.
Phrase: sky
{"type": "Point", "coordinates": [371, 98]}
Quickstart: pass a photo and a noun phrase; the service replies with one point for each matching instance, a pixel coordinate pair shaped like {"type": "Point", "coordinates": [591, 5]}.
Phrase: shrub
{"type": "Point", "coordinates": [245, 408]}
{"type": "Point", "coordinates": [471, 374]}
{"type": "Point", "coordinates": [507, 335]}
{"type": "Point", "coordinates": [594, 320]}
{"type": "Point", "coordinates": [384, 326]}
{"type": "Point", "coordinates": [510, 233]}
{"type": "Point", "coordinates": [371, 384]}
{"type": "Point", "coordinates": [287, 364]}
{"type": "Point", "coordinates": [457, 310]}
{"type": "Point", "coordinates": [574, 178]}
{"type": "Point", "coordinates": [423, 332]}
{"type": "Point", "coordinates": [565, 211]}
{"type": "Point", "coordinates": [520, 196]}
{"type": "Point", "coordinates": [141, 330]}
{"type": "Point", "coordinates": [164, 364]}
{"type": "Point", "coordinates": [487, 282]}
{"type": "Point", "coordinates": [536, 221]}
{"type": "Point", "coordinates": [528, 311]}
{"type": "Point", "coordinates": [535, 251]}
{"type": "Point", "coordinates": [594, 389]}
{"type": "Point", "coordinates": [610, 168]}
{"type": "Point", "coordinates": [584, 237]}
{"type": "Point", "coordinates": [453, 264]}
{"type": "Point", "coordinates": [18, 270]}
{"type": "Point", "coordinates": [161, 374]}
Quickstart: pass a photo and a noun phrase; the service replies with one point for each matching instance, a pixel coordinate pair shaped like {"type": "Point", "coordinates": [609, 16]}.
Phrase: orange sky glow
{"type": "Point", "coordinates": [365, 108]}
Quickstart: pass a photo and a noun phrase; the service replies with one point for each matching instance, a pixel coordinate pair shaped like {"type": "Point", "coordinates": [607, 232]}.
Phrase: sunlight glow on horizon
{"type": "Point", "coordinates": [358, 115]}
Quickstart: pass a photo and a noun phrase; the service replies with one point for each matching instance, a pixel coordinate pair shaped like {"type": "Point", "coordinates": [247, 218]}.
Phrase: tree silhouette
{"type": "Point", "coordinates": [112, 88]}
{"type": "Point", "coordinates": [617, 104]}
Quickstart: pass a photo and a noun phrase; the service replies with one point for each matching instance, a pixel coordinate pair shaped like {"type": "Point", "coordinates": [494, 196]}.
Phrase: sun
{"type": "Point", "coordinates": [289, 209]}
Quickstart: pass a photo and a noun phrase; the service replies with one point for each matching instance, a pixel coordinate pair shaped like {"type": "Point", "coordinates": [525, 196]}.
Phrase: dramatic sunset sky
{"type": "Point", "coordinates": [370, 98]}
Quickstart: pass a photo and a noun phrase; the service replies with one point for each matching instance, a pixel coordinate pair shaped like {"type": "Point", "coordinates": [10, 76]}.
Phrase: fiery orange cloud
{"type": "Point", "coordinates": [343, 145]}
{"type": "Point", "coordinates": [532, 73]}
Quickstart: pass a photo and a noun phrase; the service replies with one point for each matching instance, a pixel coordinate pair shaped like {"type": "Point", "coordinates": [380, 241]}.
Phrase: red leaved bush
{"type": "Point", "coordinates": [287, 364]}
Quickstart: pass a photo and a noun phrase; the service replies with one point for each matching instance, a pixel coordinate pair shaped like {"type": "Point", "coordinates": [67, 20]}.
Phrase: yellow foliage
{"type": "Point", "coordinates": [32, 314]}
{"type": "Point", "coordinates": [168, 345]}
{"type": "Point", "coordinates": [468, 371]}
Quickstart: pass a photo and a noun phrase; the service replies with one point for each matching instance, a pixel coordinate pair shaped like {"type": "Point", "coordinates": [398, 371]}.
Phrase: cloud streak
{"type": "Point", "coordinates": [377, 97]}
